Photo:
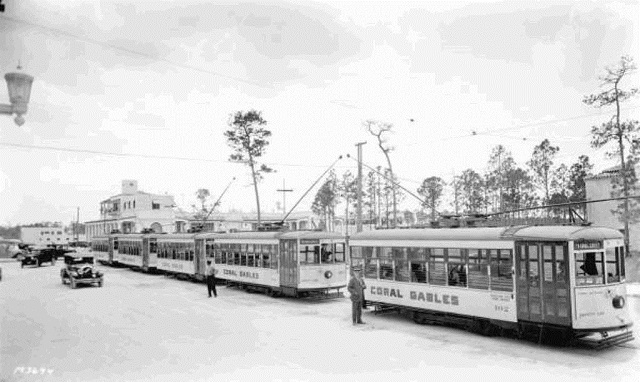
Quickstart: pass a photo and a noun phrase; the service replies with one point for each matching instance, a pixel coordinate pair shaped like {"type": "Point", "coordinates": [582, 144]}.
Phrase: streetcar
{"type": "Point", "coordinates": [176, 254]}
{"type": "Point", "coordinates": [554, 282]}
{"type": "Point", "coordinates": [102, 249]}
{"type": "Point", "coordinates": [294, 263]}
{"type": "Point", "coordinates": [137, 251]}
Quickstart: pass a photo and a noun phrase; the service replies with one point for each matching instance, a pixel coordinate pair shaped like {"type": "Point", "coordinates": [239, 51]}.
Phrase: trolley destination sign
{"type": "Point", "coordinates": [587, 244]}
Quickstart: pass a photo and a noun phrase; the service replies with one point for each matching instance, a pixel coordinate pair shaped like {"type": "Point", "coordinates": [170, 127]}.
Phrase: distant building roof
{"type": "Point", "coordinates": [606, 173]}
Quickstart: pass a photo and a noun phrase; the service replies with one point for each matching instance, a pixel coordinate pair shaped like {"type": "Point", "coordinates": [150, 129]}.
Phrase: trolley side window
{"type": "Point", "coordinates": [418, 264]}
{"type": "Point", "coordinates": [457, 267]}
{"type": "Point", "coordinates": [273, 250]}
{"type": "Point", "coordinates": [478, 275]}
{"type": "Point", "coordinates": [386, 263]}
{"type": "Point", "coordinates": [437, 269]}
{"type": "Point", "coordinates": [589, 268]}
{"type": "Point", "coordinates": [266, 256]}
{"type": "Point", "coordinates": [502, 270]}
{"type": "Point", "coordinates": [370, 262]}
{"type": "Point", "coordinates": [401, 263]}
{"type": "Point", "coordinates": [357, 257]}
{"type": "Point", "coordinates": [213, 250]}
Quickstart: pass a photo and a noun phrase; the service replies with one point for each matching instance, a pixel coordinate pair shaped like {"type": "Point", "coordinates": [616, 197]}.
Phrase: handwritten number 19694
{"type": "Point", "coordinates": [32, 370]}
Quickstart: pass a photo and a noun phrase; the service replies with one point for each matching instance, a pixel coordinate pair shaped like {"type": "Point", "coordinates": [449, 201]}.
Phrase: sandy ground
{"type": "Point", "coordinates": [149, 327]}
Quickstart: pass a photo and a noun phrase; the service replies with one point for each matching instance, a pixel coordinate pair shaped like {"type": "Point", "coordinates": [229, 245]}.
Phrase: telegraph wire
{"type": "Point", "coordinates": [261, 85]}
{"type": "Point", "coordinates": [533, 124]}
{"type": "Point", "coordinates": [147, 156]}
{"type": "Point", "coordinates": [130, 51]}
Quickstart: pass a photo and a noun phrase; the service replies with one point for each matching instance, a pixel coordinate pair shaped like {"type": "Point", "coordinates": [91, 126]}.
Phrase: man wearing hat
{"type": "Point", "coordinates": [356, 290]}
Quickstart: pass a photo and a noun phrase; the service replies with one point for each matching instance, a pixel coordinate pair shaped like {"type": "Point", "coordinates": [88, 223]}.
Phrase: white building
{"type": "Point", "coordinates": [599, 187]}
{"type": "Point", "coordinates": [43, 236]}
{"type": "Point", "coordinates": [133, 211]}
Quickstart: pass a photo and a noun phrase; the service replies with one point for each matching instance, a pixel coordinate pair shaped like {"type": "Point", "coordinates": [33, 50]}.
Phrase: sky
{"type": "Point", "coordinates": [144, 90]}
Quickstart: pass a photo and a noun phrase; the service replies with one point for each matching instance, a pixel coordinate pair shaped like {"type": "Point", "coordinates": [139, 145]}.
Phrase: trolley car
{"type": "Point", "coordinates": [563, 282]}
{"type": "Point", "coordinates": [296, 263]}
{"type": "Point", "coordinates": [176, 254]}
{"type": "Point", "coordinates": [138, 251]}
{"type": "Point", "coordinates": [102, 249]}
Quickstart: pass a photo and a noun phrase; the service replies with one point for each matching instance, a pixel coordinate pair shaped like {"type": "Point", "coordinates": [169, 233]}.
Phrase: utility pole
{"type": "Point", "coordinates": [284, 191]}
{"type": "Point", "coordinates": [77, 223]}
{"type": "Point", "coordinates": [359, 208]}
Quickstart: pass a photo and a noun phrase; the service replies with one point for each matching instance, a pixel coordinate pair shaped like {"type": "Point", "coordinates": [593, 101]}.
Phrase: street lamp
{"type": "Point", "coordinates": [19, 86]}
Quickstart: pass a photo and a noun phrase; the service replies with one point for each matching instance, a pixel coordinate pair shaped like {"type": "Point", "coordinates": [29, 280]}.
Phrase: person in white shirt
{"type": "Point", "coordinates": [211, 279]}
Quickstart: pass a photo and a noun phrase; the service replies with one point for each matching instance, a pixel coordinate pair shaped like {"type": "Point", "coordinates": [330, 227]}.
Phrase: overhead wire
{"type": "Point", "coordinates": [127, 155]}
{"type": "Point", "coordinates": [130, 51]}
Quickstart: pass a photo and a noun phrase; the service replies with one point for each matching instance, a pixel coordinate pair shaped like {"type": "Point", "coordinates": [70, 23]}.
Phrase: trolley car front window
{"type": "Point", "coordinates": [589, 268]}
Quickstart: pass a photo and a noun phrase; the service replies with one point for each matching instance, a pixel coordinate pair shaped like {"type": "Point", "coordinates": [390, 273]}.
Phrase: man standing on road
{"type": "Point", "coordinates": [211, 279]}
{"type": "Point", "coordinates": [356, 287]}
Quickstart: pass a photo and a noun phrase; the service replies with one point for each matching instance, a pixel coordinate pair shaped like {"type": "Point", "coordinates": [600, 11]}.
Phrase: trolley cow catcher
{"type": "Point", "coordinates": [563, 282]}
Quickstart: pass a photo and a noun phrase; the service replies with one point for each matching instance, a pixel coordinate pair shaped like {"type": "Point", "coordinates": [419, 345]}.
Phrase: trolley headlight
{"type": "Point", "coordinates": [618, 302]}
{"type": "Point", "coordinates": [328, 274]}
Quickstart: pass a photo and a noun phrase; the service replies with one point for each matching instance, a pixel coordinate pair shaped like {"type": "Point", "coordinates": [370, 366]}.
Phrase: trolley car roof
{"type": "Point", "coordinates": [564, 233]}
{"type": "Point", "coordinates": [312, 235]}
{"type": "Point", "coordinates": [545, 233]}
{"type": "Point", "coordinates": [245, 235]}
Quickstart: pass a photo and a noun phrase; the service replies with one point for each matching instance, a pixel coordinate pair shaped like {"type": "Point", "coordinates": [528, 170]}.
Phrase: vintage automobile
{"type": "Point", "coordinates": [80, 269]}
{"type": "Point", "coordinates": [37, 257]}
{"type": "Point", "coordinates": [57, 250]}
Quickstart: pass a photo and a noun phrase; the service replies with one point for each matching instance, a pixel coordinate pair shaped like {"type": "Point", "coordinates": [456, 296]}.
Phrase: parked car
{"type": "Point", "coordinates": [57, 250]}
{"type": "Point", "coordinates": [80, 270]}
{"type": "Point", "coordinates": [22, 250]}
{"type": "Point", "coordinates": [37, 257]}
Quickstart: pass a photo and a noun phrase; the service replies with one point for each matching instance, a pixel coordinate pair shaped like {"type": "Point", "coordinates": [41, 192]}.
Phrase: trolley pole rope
{"type": "Point", "coordinates": [217, 203]}
{"type": "Point", "coordinates": [309, 189]}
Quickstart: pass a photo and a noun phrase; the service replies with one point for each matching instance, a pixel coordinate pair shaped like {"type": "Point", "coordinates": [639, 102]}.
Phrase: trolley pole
{"type": "Point", "coordinates": [359, 207]}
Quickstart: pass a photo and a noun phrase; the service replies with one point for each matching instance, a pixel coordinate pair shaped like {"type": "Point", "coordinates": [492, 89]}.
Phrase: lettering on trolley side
{"type": "Point", "coordinates": [436, 298]}
{"type": "Point", "coordinates": [171, 265]}
{"type": "Point", "coordinates": [245, 274]}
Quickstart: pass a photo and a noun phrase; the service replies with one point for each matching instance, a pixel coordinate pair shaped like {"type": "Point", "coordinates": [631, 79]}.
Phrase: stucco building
{"type": "Point", "coordinates": [43, 236]}
{"type": "Point", "coordinates": [133, 211]}
{"type": "Point", "coordinates": [599, 187]}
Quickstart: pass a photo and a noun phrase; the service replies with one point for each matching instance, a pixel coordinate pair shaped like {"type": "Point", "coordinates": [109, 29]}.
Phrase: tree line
{"type": "Point", "coordinates": [504, 185]}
